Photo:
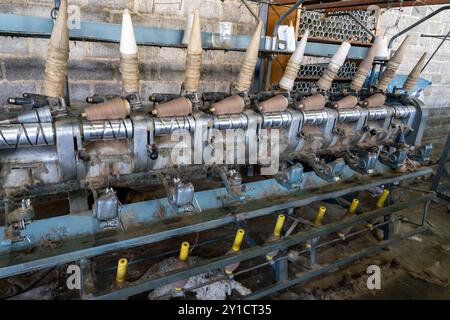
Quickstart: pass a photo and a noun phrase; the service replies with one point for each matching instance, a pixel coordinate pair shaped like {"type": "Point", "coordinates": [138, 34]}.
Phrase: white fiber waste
{"type": "Point", "coordinates": [215, 291]}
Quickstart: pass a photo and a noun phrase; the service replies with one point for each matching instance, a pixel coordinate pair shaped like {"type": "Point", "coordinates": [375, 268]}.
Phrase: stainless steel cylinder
{"type": "Point", "coordinates": [230, 121]}
{"type": "Point", "coordinates": [27, 135]}
{"type": "Point", "coordinates": [107, 129]}
{"type": "Point", "coordinates": [377, 113]}
{"type": "Point", "coordinates": [349, 115]}
{"type": "Point", "coordinates": [169, 125]}
{"type": "Point", "coordinates": [276, 120]}
{"type": "Point", "coordinates": [403, 111]}
{"type": "Point", "coordinates": [315, 117]}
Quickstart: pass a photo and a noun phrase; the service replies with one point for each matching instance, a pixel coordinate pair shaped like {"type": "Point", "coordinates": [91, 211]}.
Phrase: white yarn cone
{"type": "Point", "coordinates": [293, 66]}
{"type": "Point", "coordinates": [128, 43]}
{"type": "Point", "coordinates": [382, 51]}
{"type": "Point", "coordinates": [341, 54]}
{"type": "Point", "coordinates": [333, 67]}
{"type": "Point", "coordinates": [248, 64]}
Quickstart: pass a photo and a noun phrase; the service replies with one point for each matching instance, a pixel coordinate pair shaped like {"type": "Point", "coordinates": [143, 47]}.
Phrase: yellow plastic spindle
{"type": "Point", "coordinates": [238, 240]}
{"type": "Point", "coordinates": [382, 199]}
{"type": "Point", "coordinates": [353, 206]}
{"type": "Point", "coordinates": [320, 215]}
{"type": "Point", "coordinates": [279, 225]}
{"type": "Point", "coordinates": [184, 251]}
{"type": "Point", "coordinates": [121, 270]}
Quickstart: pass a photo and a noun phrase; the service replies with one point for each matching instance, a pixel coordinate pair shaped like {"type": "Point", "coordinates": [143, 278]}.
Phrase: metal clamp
{"type": "Point", "coordinates": [393, 159]}
{"type": "Point", "coordinates": [233, 183]}
{"type": "Point", "coordinates": [362, 161]}
{"type": "Point", "coordinates": [107, 209]}
{"type": "Point", "coordinates": [291, 177]}
{"type": "Point", "coordinates": [180, 195]}
{"type": "Point", "coordinates": [16, 221]}
{"type": "Point", "coordinates": [422, 153]}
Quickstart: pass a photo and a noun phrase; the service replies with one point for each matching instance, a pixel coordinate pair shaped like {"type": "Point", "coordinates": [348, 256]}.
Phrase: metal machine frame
{"type": "Point", "coordinates": [87, 247]}
{"type": "Point", "coordinates": [81, 243]}
{"type": "Point", "coordinates": [283, 280]}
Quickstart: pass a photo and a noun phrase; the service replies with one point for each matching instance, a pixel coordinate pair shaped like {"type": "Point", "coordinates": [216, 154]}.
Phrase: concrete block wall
{"type": "Point", "coordinates": [94, 66]}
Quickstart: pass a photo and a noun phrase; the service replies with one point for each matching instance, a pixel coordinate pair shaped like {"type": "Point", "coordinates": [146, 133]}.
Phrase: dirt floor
{"type": "Point", "coordinates": [417, 268]}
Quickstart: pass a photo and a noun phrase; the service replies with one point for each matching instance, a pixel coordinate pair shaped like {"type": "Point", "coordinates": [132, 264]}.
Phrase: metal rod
{"type": "Point", "coordinates": [338, 263]}
{"type": "Point", "coordinates": [250, 9]}
{"type": "Point", "coordinates": [439, 36]}
{"type": "Point", "coordinates": [416, 24]}
{"type": "Point", "coordinates": [436, 50]}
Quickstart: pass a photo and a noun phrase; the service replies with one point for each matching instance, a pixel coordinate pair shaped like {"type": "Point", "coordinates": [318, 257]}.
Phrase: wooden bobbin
{"type": "Point", "coordinates": [248, 64]}
{"type": "Point", "coordinates": [229, 105]}
{"type": "Point", "coordinates": [314, 102]}
{"type": "Point", "coordinates": [275, 104]}
{"type": "Point", "coordinates": [117, 108]}
{"type": "Point", "coordinates": [414, 75]}
{"type": "Point", "coordinates": [194, 56]}
{"type": "Point", "coordinates": [376, 100]}
{"type": "Point", "coordinates": [346, 102]}
{"type": "Point", "coordinates": [57, 55]}
{"type": "Point", "coordinates": [193, 71]}
{"type": "Point", "coordinates": [178, 107]}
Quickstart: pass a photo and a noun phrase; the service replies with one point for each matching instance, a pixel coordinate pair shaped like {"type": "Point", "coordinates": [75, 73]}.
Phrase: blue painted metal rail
{"type": "Point", "coordinates": [30, 26]}
{"type": "Point", "coordinates": [157, 280]}
{"type": "Point", "coordinates": [143, 226]}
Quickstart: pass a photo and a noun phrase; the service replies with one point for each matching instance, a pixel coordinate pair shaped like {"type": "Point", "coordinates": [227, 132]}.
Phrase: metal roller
{"type": "Point", "coordinates": [349, 115]}
{"type": "Point", "coordinates": [377, 113]}
{"type": "Point", "coordinates": [26, 135]}
{"type": "Point", "coordinates": [233, 104]}
{"type": "Point", "coordinates": [403, 111]}
{"type": "Point", "coordinates": [107, 129]}
{"type": "Point", "coordinates": [276, 120]}
{"type": "Point", "coordinates": [316, 117]}
{"type": "Point", "coordinates": [230, 121]}
{"type": "Point", "coordinates": [169, 125]}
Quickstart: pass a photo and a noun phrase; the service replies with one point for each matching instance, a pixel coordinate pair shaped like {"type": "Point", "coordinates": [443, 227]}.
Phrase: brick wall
{"type": "Point", "coordinates": [94, 66]}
